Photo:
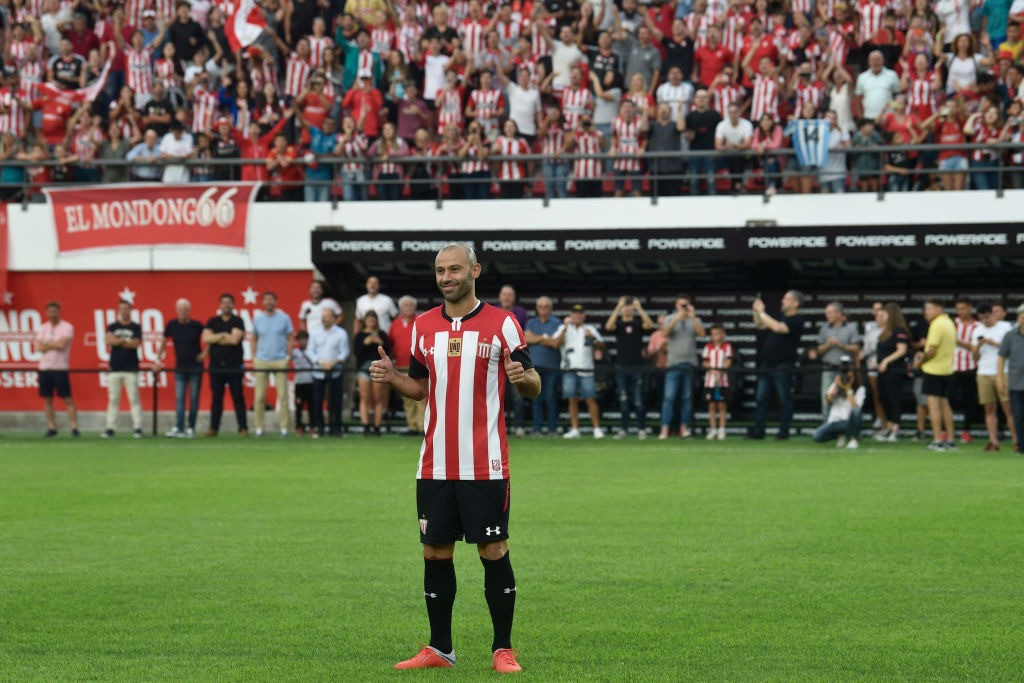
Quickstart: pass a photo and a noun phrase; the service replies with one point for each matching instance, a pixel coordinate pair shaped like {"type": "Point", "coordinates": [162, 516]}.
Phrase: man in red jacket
{"type": "Point", "coordinates": [365, 104]}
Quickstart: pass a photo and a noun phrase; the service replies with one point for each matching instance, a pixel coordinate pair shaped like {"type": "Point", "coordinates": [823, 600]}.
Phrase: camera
{"type": "Point", "coordinates": [845, 364]}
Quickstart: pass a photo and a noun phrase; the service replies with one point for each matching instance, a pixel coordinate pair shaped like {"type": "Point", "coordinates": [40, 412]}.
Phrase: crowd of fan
{"type": "Point", "coordinates": [373, 81]}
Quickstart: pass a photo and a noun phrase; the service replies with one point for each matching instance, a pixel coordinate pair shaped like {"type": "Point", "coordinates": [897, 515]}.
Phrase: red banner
{"type": "Point", "coordinates": [5, 246]}
{"type": "Point", "coordinates": [151, 214]}
{"type": "Point", "coordinates": [89, 302]}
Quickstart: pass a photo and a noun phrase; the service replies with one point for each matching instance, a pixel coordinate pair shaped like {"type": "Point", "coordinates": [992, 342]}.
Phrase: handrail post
{"type": "Point", "coordinates": [654, 182]}
{"type": "Point", "coordinates": [156, 395]}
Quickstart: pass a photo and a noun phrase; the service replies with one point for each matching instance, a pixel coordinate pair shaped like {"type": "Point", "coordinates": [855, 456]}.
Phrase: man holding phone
{"type": "Point", "coordinates": [629, 322]}
{"type": "Point", "coordinates": [681, 330]}
{"type": "Point", "coordinates": [777, 360]}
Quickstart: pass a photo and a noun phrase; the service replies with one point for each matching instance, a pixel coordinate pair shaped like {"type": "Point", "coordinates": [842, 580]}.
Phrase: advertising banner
{"type": "Point", "coordinates": [150, 214]}
{"type": "Point", "coordinates": [89, 302]}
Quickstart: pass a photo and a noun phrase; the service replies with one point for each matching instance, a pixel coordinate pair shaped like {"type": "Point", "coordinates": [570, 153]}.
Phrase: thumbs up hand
{"type": "Point", "coordinates": [382, 371]}
{"type": "Point", "coordinates": [514, 369]}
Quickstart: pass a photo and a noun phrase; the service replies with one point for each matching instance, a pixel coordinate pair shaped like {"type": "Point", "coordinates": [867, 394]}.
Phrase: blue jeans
{"type": "Point", "coordinates": [778, 378]}
{"type": "Point", "coordinates": [830, 430]}
{"type": "Point", "coordinates": [192, 379]}
{"type": "Point", "coordinates": [630, 385]}
{"type": "Point", "coordinates": [981, 179]}
{"type": "Point", "coordinates": [678, 383]}
{"type": "Point", "coordinates": [317, 193]}
{"type": "Point", "coordinates": [703, 166]}
{"type": "Point", "coordinates": [545, 406]}
{"type": "Point", "coordinates": [770, 168]}
{"type": "Point", "coordinates": [1017, 408]}
{"type": "Point", "coordinates": [555, 174]}
{"type": "Point", "coordinates": [353, 186]}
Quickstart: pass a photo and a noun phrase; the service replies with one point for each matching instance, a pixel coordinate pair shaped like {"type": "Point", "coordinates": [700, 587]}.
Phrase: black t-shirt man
{"type": "Point", "coordinates": [629, 343]}
{"type": "Point", "coordinates": [445, 37]}
{"type": "Point", "coordinates": [225, 355]}
{"type": "Point", "coordinates": [601, 64]}
{"type": "Point", "coordinates": [158, 108]}
{"type": "Point", "coordinates": [702, 124]}
{"type": "Point", "coordinates": [677, 54]}
{"type": "Point", "coordinates": [67, 71]}
{"type": "Point", "coordinates": [782, 348]}
{"type": "Point", "coordinates": [122, 359]}
{"type": "Point", "coordinates": [186, 338]}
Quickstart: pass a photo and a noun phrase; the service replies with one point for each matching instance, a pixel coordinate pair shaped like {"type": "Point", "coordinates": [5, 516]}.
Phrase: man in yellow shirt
{"type": "Point", "coordinates": [936, 364]}
{"type": "Point", "coordinates": [1013, 43]}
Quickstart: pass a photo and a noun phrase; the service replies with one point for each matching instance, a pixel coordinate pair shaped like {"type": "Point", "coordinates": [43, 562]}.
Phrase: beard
{"type": "Point", "coordinates": [463, 288]}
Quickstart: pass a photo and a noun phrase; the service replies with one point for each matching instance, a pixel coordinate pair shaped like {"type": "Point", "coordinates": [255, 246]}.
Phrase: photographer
{"type": "Point", "coordinates": [681, 330]}
{"type": "Point", "coordinates": [578, 341]}
{"type": "Point", "coordinates": [845, 398]}
{"type": "Point", "coordinates": [629, 321]}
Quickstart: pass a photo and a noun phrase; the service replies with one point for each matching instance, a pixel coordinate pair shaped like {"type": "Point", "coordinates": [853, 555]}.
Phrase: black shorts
{"type": "Point", "coordinates": [716, 394]}
{"type": "Point", "coordinates": [451, 510]}
{"type": "Point", "coordinates": [54, 381]}
{"type": "Point", "coordinates": [936, 385]}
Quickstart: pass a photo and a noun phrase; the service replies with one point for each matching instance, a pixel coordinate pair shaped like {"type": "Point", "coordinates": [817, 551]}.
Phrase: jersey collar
{"type": "Point", "coordinates": [476, 309]}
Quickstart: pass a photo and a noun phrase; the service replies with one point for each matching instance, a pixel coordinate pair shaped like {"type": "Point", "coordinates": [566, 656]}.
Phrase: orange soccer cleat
{"type": "Point", "coordinates": [504, 661]}
{"type": "Point", "coordinates": [430, 658]}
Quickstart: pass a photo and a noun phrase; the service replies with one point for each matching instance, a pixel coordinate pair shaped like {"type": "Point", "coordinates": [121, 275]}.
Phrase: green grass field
{"type": "Point", "coordinates": [272, 560]}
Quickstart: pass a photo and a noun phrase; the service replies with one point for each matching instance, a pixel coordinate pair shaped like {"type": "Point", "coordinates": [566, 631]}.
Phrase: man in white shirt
{"type": "Point", "coordinates": [876, 87]}
{"type": "Point", "coordinates": [985, 342]}
{"type": "Point", "coordinates": [565, 53]}
{"type": "Point", "coordinates": [382, 304]}
{"type": "Point", "coordinates": [176, 146]}
{"type": "Point", "coordinates": [523, 103]}
{"type": "Point", "coordinates": [329, 349]}
{"type": "Point", "coordinates": [733, 136]}
{"type": "Point", "coordinates": [311, 312]}
{"type": "Point", "coordinates": [676, 93]}
{"type": "Point", "coordinates": [578, 341]}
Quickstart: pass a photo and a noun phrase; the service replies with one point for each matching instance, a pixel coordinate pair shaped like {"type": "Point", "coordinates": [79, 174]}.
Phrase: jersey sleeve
{"type": "Point", "coordinates": [513, 339]}
{"type": "Point", "coordinates": [417, 361]}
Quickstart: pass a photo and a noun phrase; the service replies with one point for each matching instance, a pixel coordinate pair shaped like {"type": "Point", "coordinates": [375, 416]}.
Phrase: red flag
{"type": "Point", "coordinates": [244, 26]}
{"type": "Point", "coordinates": [87, 94]}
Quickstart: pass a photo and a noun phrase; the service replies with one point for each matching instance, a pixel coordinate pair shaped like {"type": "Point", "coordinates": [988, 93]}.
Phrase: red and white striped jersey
{"type": "Point", "coordinates": [85, 144]}
{"type": "Point", "coordinates": [588, 143]}
{"type": "Point", "coordinates": [813, 92]}
{"type": "Point", "coordinates": [204, 110]}
{"type": "Point", "coordinates": [734, 29]}
{"type": "Point", "coordinates": [698, 25]}
{"type": "Point", "coordinates": [643, 101]}
{"type": "Point", "coordinates": [510, 170]}
{"type": "Point", "coordinates": [724, 95]}
{"type": "Point", "coordinates": [716, 357]}
{"type": "Point", "coordinates": [138, 66]}
{"type": "Point", "coordinates": [538, 45]}
{"type": "Point", "coordinates": [872, 16]}
{"type": "Point", "coordinates": [18, 50]}
{"type": "Point", "coordinates": [802, 6]}
{"type": "Point", "coordinates": [261, 75]}
{"type": "Point", "coordinates": [472, 34]}
{"type": "Point", "coordinates": [921, 99]}
{"type": "Point", "coordinates": [472, 162]}
{"type": "Point", "coordinates": [464, 419]}
{"type": "Point", "coordinates": [12, 119]}
{"type": "Point", "coordinates": [31, 78]}
{"type": "Point", "coordinates": [765, 98]}
{"type": "Point", "coordinates": [963, 360]}
{"type": "Point", "coordinates": [226, 6]}
{"type": "Point", "coordinates": [487, 103]}
{"type": "Point", "coordinates": [390, 167]}
{"type": "Point", "coordinates": [530, 66]}
{"type": "Point", "coordinates": [365, 62]}
{"type": "Point", "coordinates": [316, 49]}
{"type": "Point", "coordinates": [457, 12]}
{"type": "Point", "coordinates": [449, 109]}
{"type": "Point", "coordinates": [354, 149]}
{"type": "Point", "coordinates": [383, 39]}
{"type": "Point", "coordinates": [408, 40]}
{"type": "Point", "coordinates": [628, 136]}
{"type": "Point", "coordinates": [554, 142]}
{"type": "Point", "coordinates": [575, 103]}
{"type": "Point", "coordinates": [837, 48]}
{"type": "Point", "coordinates": [508, 34]}
{"type": "Point", "coordinates": [164, 70]}
{"type": "Point", "coordinates": [297, 73]}
{"type": "Point", "coordinates": [421, 9]}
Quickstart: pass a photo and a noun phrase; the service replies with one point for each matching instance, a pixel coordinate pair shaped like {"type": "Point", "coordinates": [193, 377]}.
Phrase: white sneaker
{"type": "Point", "coordinates": [642, 434]}
{"type": "Point", "coordinates": [853, 445]}
{"type": "Point", "coordinates": [190, 433]}
{"type": "Point", "coordinates": [598, 433]}
{"type": "Point", "coordinates": [663, 435]}
{"type": "Point", "coordinates": [893, 436]}
{"type": "Point", "coordinates": [284, 433]}
{"type": "Point", "coordinates": [175, 434]}
{"type": "Point", "coordinates": [877, 424]}
{"type": "Point", "coordinates": [841, 442]}
{"type": "Point", "coordinates": [620, 435]}
{"type": "Point", "coordinates": [721, 433]}
{"type": "Point", "coordinates": [571, 434]}
{"type": "Point", "coordinates": [259, 433]}
{"type": "Point", "coordinates": [882, 435]}
{"type": "Point", "coordinates": [684, 432]}
{"type": "Point", "coordinates": [520, 432]}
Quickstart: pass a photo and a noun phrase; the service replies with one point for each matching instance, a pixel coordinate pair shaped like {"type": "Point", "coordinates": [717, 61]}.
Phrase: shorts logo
{"type": "Point", "coordinates": [492, 531]}
{"type": "Point", "coordinates": [423, 525]}
{"type": "Point", "coordinates": [455, 347]}
{"type": "Point", "coordinates": [496, 465]}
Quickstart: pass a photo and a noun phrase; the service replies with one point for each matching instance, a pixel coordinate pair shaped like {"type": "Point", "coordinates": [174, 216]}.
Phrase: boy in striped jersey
{"type": "Point", "coordinates": [463, 352]}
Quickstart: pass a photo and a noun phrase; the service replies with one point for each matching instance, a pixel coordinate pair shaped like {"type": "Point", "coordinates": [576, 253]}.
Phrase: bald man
{"type": "Point", "coordinates": [189, 355]}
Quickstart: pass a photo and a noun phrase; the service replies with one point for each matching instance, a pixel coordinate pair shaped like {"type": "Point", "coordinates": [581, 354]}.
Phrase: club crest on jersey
{"type": "Point", "coordinates": [455, 347]}
{"type": "Point", "coordinates": [496, 465]}
{"type": "Point", "coordinates": [423, 525]}
{"type": "Point", "coordinates": [484, 349]}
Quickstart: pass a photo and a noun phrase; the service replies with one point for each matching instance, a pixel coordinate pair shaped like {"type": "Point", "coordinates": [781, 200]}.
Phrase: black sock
{"type": "Point", "coordinates": [439, 591]}
{"type": "Point", "coordinates": [500, 591]}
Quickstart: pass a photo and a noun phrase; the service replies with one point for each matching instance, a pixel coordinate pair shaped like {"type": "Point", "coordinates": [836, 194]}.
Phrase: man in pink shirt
{"type": "Point", "coordinates": [53, 340]}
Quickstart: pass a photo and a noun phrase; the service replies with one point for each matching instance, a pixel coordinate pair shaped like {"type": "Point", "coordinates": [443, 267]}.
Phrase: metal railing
{"type": "Point", "coordinates": [999, 173]}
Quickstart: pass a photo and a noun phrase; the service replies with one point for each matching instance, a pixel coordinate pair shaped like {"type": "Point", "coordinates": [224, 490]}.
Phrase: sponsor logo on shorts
{"type": "Point", "coordinates": [492, 531]}
{"type": "Point", "coordinates": [423, 525]}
